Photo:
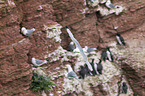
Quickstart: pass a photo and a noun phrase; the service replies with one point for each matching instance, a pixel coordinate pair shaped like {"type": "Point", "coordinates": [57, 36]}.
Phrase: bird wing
{"type": "Point", "coordinates": [111, 5]}
{"type": "Point", "coordinates": [29, 31]}
{"type": "Point", "coordinates": [72, 74]}
{"type": "Point", "coordinates": [40, 62]}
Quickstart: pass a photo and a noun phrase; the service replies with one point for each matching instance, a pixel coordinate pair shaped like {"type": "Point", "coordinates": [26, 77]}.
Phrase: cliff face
{"type": "Point", "coordinates": [90, 27]}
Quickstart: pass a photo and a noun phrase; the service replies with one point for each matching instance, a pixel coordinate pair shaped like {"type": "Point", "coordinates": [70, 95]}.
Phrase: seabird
{"type": "Point", "coordinates": [99, 67]}
{"type": "Point", "coordinates": [120, 39]}
{"type": "Point", "coordinates": [92, 1]}
{"type": "Point", "coordinates": [89, 49]}
{"type": "Point", "coordinates": [124, 87]}
{"type": "Point", "coordinates": [109, 54]}
{"type": "Point", "coordinates": [71, 46]}
{"type": "Point", "coordinates": [27, 31]}
{"type": "Point", "coordinates": [93, 66]}
{"type": "Point", "coordinates": [71, 73]}
{"type": "Point", "coordinates": [83, 72]}
{"type": "Point", "coordinates": [110, 5]}
{"type": "Point", "coordinates": [88, 70]}
{"type": "Point", "coordinates": [38, 62]}
{"type": "Point", "coordinates": [104, 55]}
{"type": "Point", "coordinates": [80, 48]}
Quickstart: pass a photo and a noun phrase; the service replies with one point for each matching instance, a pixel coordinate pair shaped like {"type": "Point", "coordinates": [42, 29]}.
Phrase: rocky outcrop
{"type": "Point", "coordinates": [89, 26]}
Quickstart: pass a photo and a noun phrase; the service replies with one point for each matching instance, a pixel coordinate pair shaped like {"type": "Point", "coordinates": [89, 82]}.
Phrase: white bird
{"type": "Point", "coordinates": [110, 5]}
{"type": "Point", "coordinates": [38, 62]}
{"type": "Point", "coordinates": [89, 49]}
{"type": "Point", "coordinates": [71, 73]}
{"type": "Point", "coordinates": [71, 46]}
{"type": "Point", "coordinates": [27, 31]}
{"type": "Point", "coordinates": [80, 48]}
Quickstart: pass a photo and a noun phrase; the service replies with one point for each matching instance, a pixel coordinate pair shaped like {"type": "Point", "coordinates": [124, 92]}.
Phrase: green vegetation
{"type": "Point", "coordinates": [40, 82]}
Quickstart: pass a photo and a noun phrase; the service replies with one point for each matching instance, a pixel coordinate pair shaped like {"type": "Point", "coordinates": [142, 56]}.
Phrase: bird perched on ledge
{"type": "Point", "coordinates": [124, 87]}
{"type": "Point", "coordinates": [38, 62]}
{"type": "Point", "coordinates": [71, 73]}
{"type": "Point", "coordinates": [120, 39]}
{"type": "Point", "coordinates": [109, 55]}
{"type": "Point", "coordinates": [110, 5]}
{"type": "Point", "coordinates": [86, 49]}
{"type": "Point", "coordinates": [27, 32]}
{"type": "Point", "coordinates": [71, 46]}
{"type": "Point", "coordinates": [99, 67]}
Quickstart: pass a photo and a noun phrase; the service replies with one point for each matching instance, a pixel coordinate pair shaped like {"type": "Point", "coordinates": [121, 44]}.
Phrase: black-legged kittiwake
{"type": "Point", "coordinates": [110, 5]}
{"type": "Point", "coordinates": [89, 49]}
{"type": "Point", "coordinates": [71, 46]}
{"type": "Point", "coordinates": [71, 73]}
{"type": "Point", "coordinates": [27, 32]}
{"type": "Point", "coordinates": [38, 62]}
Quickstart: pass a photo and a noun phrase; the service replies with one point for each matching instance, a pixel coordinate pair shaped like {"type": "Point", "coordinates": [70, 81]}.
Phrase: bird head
{"type": "Point", "coordinates": [66, 27]}
{"type": "Point", "coordinates": [33, 29]}
{"type": "Point", "coordinates": [117, 34]}
{"type": "Point", "coordinates": [69, 67]}
{"type": "Point", "coordinates": [23, 29]}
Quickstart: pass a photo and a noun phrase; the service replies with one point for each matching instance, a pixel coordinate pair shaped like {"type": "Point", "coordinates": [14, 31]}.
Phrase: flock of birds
{"type": "Point", "coordinates": [84, 70]}
{"type": "Point", "coordinates": [108, 3]}
{"type": "Point", "coordinates": [97, 67]}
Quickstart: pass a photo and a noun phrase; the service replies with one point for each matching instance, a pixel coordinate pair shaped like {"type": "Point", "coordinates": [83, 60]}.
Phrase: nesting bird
{"type": "Point", "coordinates": [109, 54]}
{"type": "Point", "coordinates": [110, 5]}
{"type": "Point", "coordinates": [38, 62]}
{"type": "Point", "coordinates": [89, 49]}
{"type": "Point", "coordinates": [99, 67]}
{"type": "Point", "coordinates": [71, 73]}
{"type": "Point", "coordinates": [88, 70]}
{"type": "Point", "coordinates": [93, 66]}
{"type": "Point", "coordinates": [71, 46]}
{"type": "Point", "coordinates": [104, 55]}
{"type": "Point", "coordinates": [27, 32]}
{"type": "Point", "coordinates": [120, 39]}
{"type": "Point", "coordinates": [124, 87]}
{"type": "Point", "coordinates": [83, 72]}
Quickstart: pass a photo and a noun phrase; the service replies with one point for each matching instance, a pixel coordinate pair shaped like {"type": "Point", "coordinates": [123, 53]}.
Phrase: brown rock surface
{"type": "Point", "coordinates": [89, 29]}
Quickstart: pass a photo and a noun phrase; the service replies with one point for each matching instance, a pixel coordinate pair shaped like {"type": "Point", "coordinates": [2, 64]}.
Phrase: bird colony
{"type": "Point", "coordinates": [91, 68]}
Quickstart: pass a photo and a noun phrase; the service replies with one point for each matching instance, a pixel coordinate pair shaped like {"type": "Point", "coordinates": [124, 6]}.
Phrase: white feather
{"type": "Point", "coordinates": [118, 39]}
{"type": "Point", "coordinates": [109, 55]}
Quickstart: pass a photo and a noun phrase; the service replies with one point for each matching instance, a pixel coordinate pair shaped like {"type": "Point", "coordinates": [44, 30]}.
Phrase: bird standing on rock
{"type": "Point", "coordinates": [99, 67]}
{"type": "Point", "coordinates": [124, 87]}
{"type": "Point", "coordinates": [120, 39]}
{"type": "Point", "coordinates": [27, 32]}
{"type": "Point", "coordinates": [38, 62]}
{"type": "Point", "coordinates": [71, 73]}
{"type": "Point", "coordinates": [83, 72]}
{"type": "Point", "coordinates": [71, 46]}
{"type": "Point", "coordinates": [104, 55]}
{"type": "Point", "coordinates": [109, 54]}
{"type": "Point", "coordinates": [89, 49]}
{"type": "Point", "coordinates": [110, 5]}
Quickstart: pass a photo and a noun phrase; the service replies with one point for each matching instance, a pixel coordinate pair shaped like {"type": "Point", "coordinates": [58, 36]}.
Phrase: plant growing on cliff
{"type": "Point", "coordinates": [40, 82]}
